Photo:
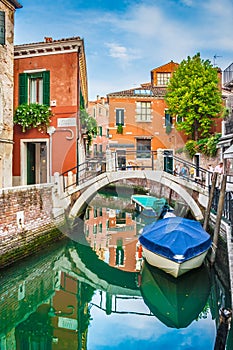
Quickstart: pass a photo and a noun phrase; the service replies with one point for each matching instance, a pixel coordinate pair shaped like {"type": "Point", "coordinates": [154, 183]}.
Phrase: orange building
{"type": "Point", "coordinates": [138, 118]}
{"type": "Point", "coordinates": [51, 73]}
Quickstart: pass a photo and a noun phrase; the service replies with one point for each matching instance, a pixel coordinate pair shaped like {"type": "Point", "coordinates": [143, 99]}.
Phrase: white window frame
{"type": "Point", "coordinates": [143, 111]}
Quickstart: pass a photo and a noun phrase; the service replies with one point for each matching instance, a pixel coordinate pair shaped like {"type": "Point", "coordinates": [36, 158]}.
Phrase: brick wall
{"type": "Point", "coordinates": [26, 221]}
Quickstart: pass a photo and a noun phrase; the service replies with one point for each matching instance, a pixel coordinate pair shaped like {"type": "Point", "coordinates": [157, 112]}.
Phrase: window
{"type": "Point", "coordinates": [87, 214]}
{"type": "Point", "coordinates": [143, 92]}
{"type": "Point", "coordinates": [163, 78]}
{"type": "Point", "coordinates": [179, 119]}
{"type": "Point", "coordinates": [2, 28]}
{"type": "Point", "coordinates": [143, 148]}
{"type": "Point", "coordinates": [101, 149]}
{"type": "Point", "coordinates": [168, 119]}
{"type": "Point", "coordinates": [100, 228]}
{"type": "Point", "coordinates": [34, 88]}
{"type": "Point", "coordinates": [95, 150]}
{"type": "Point", "coordinates": [120, 116]}
{"type": "Point", "coordinates": [95, 212]}
{"type": "Point", "coordinates": [100, 131]}
{"type": "Point", "coordinates": [143, 110]}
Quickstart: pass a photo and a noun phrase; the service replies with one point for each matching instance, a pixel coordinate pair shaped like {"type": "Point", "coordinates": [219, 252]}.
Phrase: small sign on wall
{"type": "Point", "coordinates": [63, 122]}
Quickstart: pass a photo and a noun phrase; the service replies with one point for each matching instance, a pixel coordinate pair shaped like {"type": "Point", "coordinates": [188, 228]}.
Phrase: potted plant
{"type": "Point", "coordinates": [119, 129]}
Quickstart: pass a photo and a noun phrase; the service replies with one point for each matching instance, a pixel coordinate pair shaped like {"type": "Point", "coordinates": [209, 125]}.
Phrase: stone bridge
{"type": "Point", "coordinates": [185, 188]}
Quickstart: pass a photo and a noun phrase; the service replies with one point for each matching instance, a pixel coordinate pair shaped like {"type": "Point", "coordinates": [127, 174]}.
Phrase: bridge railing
{"type": "Point", "coordinates": [83, 172]}
{"type": "Point", "coordinates": [149, 160]}
{"type": "Point", "coordinates": [135, 160]}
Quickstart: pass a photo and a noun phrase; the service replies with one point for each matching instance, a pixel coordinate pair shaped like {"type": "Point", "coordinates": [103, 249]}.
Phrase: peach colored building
{"type": "Point", "coordinates": [138, 118]}
{"type": "Point", "coordinates": [99, 110]}
{"type": "Point", "coordinates": [139, 121]}
{"type": "Point", "coordinates": [52, 73]}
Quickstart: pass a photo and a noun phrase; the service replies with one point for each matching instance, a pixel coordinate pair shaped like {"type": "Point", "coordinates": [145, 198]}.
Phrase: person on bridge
{"type": "Point", "coordinates": [209, 174]}
{"type": "Point", "coordinates": [177, 169]}
{"type": "Point", "coordinates": [219, 169]}
{"type": "Point", "coordinates": [184, 171]}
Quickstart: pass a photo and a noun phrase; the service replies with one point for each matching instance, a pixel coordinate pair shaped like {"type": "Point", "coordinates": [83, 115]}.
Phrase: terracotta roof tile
{"type": "Point", "coordinates": [155, 91]}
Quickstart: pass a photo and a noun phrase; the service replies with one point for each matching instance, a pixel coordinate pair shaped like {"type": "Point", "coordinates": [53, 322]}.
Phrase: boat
{"type": "Point", "coordinates": [151, 207]}
{"type": "Point", "coordinates": [175, 244]}
{"type": "Point", "coordinates": [176, 302]}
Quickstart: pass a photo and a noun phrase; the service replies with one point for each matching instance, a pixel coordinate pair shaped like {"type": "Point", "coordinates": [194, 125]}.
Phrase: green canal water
{"type": "Point", "coordinates": [93, 291]}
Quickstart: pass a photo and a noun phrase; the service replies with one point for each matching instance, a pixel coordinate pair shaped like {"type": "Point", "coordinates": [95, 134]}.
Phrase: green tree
{"type": "Point", "coordinates": [194, 97]}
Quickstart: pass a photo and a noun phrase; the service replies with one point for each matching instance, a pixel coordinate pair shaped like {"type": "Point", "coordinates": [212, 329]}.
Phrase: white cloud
{"type": "Point", "coordinates": [117, 51]}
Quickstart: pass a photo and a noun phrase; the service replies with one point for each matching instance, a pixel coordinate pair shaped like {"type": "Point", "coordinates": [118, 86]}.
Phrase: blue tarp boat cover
{"type": "Point", "coordinates": [175, 237]}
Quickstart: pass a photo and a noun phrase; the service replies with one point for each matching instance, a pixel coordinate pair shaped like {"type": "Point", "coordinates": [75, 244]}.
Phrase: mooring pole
{"type": "Point", "coordinates": [211, 197]}
{"type": "Point", "coordinates": [218, 219]}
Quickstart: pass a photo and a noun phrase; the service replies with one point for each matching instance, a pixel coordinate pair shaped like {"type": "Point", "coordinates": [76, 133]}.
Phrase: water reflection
{"type": "Point", "coordinates": [87, 293]}
{"type": "Point", "coordinates": [175, 301]}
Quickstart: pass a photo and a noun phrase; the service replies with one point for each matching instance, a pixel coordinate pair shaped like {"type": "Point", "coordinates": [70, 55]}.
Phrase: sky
{"type": "Point", "coordinates": [125, 39]}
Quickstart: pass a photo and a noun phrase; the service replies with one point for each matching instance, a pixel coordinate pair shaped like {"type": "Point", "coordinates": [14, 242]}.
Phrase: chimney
{"type": "Point", "coordinates": [48, 39]}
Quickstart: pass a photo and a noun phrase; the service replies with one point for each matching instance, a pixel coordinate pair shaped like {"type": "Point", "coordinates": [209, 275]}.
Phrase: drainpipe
{"type": "Point", "coordinates": [50, 130]}
{"type": "Point", "coordinates": [78, 116]}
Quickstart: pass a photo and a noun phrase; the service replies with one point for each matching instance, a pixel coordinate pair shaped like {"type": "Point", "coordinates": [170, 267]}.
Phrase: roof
{"type": "Point", "coordinates": [15, 3]}
{"type": "Point", "coordinates": [138, 91]}
{"type": "Point", "coordinates": [165, 66]}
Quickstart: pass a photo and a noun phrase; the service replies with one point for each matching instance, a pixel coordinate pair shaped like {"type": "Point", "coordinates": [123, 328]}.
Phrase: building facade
{"type": "Point", "coordinates": [50, 73]}
{"type": "Point", "coordinates": [99, 110]}
{"type": "Point", "coordinates": [7, 11]}
{"type": "Point", "coordinates": [226, 140]}
{"type": "Point", "coordinates": [139, 121]}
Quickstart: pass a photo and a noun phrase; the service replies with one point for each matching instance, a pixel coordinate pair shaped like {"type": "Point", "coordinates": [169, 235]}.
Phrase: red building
{"type": "Point", "coordinates": [52, 73]}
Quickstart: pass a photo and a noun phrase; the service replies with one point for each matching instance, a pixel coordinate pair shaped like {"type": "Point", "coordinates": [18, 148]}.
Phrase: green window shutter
{"type": "Point", "coordinates": [46, 88]}
{"type": "Point", "coordinates": [168, 119]}
{"type": "Point", "coordinates": [2, 28]}
{"type": "Point", "coordinates": [82, 103]}
{"type": "Point", "coordinates": [23, 88]}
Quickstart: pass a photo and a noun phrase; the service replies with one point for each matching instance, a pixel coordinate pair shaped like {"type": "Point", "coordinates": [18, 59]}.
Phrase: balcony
{"type": "Point", "coordinates": [228, 76]}
{"type": "Point", "coordinates": [229, 127]}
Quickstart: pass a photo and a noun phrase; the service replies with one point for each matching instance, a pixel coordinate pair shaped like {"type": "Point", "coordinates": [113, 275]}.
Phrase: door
{"type": "Point", "coordinates": [31, 163]}
{"type": "Point", "coordinates": [168, 161]}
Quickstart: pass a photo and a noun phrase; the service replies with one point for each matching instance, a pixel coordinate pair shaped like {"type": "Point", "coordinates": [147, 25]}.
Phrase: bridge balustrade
{"type": "Point", "coordinates": [150, 160]}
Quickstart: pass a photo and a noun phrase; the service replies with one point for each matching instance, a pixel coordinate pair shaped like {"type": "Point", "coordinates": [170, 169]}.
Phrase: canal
{"type": "Point", "coordinates": [93, 291]}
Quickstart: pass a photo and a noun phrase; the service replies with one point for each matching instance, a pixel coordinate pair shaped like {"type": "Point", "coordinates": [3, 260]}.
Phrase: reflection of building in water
{"type": "Point", "coordinates": [43, 309]}
{"type": "Point", "coordinates": [96, 223]}
{"type": "Point", "coordinates": [56, 323]}
{"type": "Point", "coordinates": [112, 234]}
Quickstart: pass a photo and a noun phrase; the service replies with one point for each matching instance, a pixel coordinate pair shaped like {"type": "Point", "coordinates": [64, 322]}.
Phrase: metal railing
{"type": "Point", "coordinates": [141, 160]}
{"type": "Point", "coordinates": [83, 172]}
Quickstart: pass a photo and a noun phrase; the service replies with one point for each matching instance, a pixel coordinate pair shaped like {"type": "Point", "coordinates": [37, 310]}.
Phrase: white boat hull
{"type": "Point", "coordinates": [172, 267]}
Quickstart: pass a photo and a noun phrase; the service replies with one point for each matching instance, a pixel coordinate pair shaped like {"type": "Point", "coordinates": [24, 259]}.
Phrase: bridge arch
{"type": "Point", "coordinates": [91, 187]}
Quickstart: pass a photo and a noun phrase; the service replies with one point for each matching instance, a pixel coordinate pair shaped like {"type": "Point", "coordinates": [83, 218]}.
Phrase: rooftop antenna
{"type": "Point", "coordinates": [215, 57]}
